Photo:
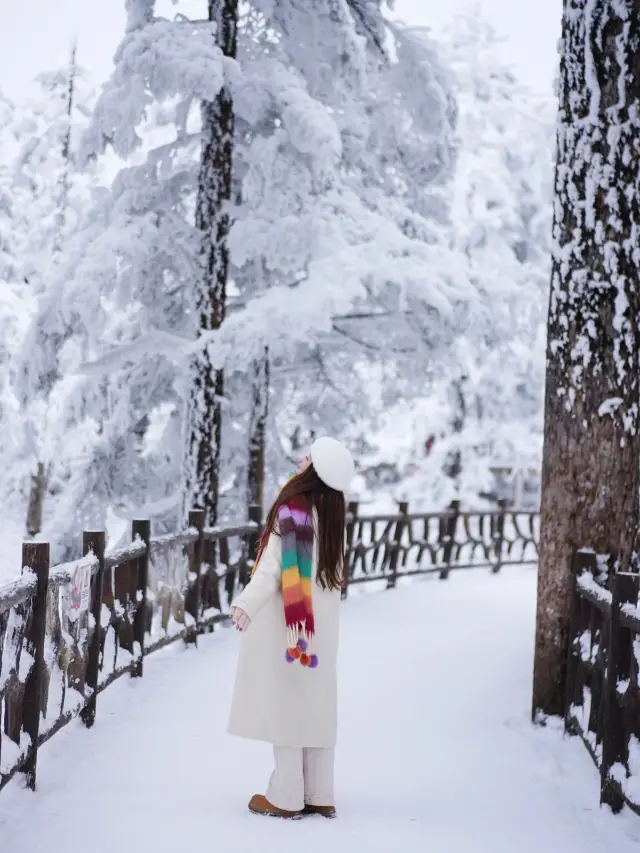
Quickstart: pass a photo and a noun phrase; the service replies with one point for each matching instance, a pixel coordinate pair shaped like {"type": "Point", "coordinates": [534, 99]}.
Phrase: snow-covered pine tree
{"type": "Point", "coordinates": [306, 244]}
{"type": "Point", "coordinates": [139, 248]}
{"type": "Point", "coordinates": [253, 87]}
{"type": "Point", "coordinates": [362, 232]}
{"type": "Point", "coordinates": [592, 408]}
{"type": "Point", "coordinates": [48, 196]}
{"type": "Point", "coordinates": [286, 154]}
{"type": "Point", "coordinates": [49, 193]}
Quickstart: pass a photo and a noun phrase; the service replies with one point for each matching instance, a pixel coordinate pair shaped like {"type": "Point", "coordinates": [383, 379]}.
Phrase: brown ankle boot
{"type": "Point", "coordinates": [323, 811]}
{"type": "Point", "coordinates": [259, 804]}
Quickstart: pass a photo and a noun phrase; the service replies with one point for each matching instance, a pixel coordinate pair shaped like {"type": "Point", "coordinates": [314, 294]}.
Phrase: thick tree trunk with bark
{"type": "Point", "coordinates": [257, 431]}
{"type": "Point", "coordinates": [213, 220]}
{"type": "Point", "coordinates": [592, 425]}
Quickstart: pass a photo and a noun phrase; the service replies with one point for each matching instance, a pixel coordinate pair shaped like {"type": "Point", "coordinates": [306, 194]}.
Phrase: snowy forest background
{"type": "Point", "coordinates": [389, 262]}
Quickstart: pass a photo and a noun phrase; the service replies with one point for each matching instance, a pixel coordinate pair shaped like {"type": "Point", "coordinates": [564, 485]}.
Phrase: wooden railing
{"type": "Point", "coordinates": [154, 592]}
{"type": "Point", "coordinates": [603, 696]}
{"type": "Point", "coordinates": [386, 547]}
{"type": "Point", "coordinates": [161, 590]}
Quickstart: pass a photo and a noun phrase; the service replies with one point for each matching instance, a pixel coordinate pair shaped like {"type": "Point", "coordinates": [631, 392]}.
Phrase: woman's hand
{"type": "Point", "coordinates": [239, 619]}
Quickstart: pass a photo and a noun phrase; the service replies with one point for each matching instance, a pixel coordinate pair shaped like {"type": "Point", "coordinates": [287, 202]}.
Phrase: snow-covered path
{"type": "Point", "coordinates": [436, 751]}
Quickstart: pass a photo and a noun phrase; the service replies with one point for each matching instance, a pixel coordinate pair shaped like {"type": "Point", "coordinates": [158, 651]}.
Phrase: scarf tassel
{"type": "Point", "coordinates": [300, 647]}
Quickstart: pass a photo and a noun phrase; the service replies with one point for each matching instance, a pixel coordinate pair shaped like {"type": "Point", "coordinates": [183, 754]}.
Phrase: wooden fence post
{"type": "Point", "coordinates": [499, 535]}
{"type": "Point", "coordinates": [352, 511]}
{"type": "Point", "coordinates": [573, 652]}
{"type": "Point", "coordinates": [93, 542]}
{"type": "Point", "coordinates": [196, 520]}
{"type": "Point", "coordinates": [141, 527]}
{"type": "Point", "coordinates": [450, 535]}
{"type": "Point", "coordinates": [615, 738]}
{"type": "Point", "coordinates": [403, 509]}
{"type": "Point", "coordinates": [582, 617]}
{"type": "Point", "coordinates": [35, 556]}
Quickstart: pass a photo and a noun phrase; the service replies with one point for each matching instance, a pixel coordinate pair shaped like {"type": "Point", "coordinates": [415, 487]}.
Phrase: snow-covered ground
{"type": "Point", "coordinates": [436, 750]}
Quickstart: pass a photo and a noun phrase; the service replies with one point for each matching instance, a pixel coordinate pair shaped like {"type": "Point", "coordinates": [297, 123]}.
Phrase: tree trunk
{"type": "Point", "coordinates": [213, 220]}
{"type": "Point", "coordinates": [36, 500]}
{"type": "Point", "coordinates": [591, 435]}
{"type": "Point", "coordinates": [257, 431]}
{"type": "Point", "coordinates": [453, 462]}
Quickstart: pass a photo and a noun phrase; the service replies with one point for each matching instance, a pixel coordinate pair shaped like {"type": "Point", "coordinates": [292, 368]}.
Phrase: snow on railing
{"type": "Point", "coordinates": [17, 592]}
{"type": "Point", "coordinates": [122, 555]}
{"type": "Point", "coordinates": [62, 574]}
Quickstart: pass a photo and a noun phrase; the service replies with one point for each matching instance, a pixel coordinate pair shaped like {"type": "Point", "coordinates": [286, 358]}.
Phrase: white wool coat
{"type": "Point", "coordinates": [283, 703]}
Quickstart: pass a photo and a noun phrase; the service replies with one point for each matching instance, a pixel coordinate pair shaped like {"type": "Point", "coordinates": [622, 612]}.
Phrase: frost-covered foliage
{"type": "Point", "coordinates": [8, 235]}
{"type": "Point", "coordinates": [139, 249]}
{"type": "Point", "coordinates": [13, 294]}
{"type": "Point", "coordinates": [343, 243]}
{"type": "Point", "coordinates": [501, 217]}
{"type": "Point", "coordinates": [390, 212]}
{"type": "Point", "coordinates": [7, 153]}
{"type": "Point", "coordinates": [50, 196]}
{"type": "Point", "coordinates": [48, 199]}
{"type": "Point", "coordinates": [328, 163]}
{"type": "Point", "coordinates": [327, 172]}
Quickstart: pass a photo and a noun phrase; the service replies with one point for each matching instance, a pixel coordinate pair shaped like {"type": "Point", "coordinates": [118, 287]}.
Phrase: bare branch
{"type": "Point", "coordinates": [368, 345]}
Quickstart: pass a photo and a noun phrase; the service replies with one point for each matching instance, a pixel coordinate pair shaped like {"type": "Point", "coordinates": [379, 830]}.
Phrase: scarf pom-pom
{"type": "Point", "coordinates": [305, 660]}
{"type": "Point", "coordinates": [288, 656]}
{"type": "Point", "coordinates": [303, 645]}
{"type": "Point", "coordinates": [313, 661]}
{"type": "Point", "coordinates": [294, 653]}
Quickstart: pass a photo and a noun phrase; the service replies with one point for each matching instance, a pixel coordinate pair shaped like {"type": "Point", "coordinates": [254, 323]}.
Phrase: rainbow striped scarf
{"type": "Point", "coordinates": [296, 532]}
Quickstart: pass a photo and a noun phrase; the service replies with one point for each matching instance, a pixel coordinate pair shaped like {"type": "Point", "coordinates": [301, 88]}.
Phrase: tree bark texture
{"type": "Point", "coordinates": [257, 432]}
{"type": "Point", "coordinates": [591, 432]}
{"type": "Point", "coordinates": [213, 220]}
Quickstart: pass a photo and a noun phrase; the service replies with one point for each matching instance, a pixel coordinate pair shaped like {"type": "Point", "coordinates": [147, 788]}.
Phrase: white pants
{"type": "Point", "coordinates": [301, 777]}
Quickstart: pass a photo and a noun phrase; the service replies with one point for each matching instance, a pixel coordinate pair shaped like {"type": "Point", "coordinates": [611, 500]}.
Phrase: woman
{"type": "Point", "coordinates": [286, 691]}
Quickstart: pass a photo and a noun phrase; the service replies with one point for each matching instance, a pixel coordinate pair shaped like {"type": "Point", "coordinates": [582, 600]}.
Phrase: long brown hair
{"type": "Point", "coordinates": [332, 516]}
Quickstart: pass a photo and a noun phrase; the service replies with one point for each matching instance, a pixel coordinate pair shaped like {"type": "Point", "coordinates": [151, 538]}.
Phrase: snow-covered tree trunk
{"type": "Point", "coordinates": [213, 220]}
{"type": "Point", "coordinates": [257, 430]}
{"type": "Point", "coordinates": [591, 437]}
{"type": "Point", "coordinates": [36, 500]}
{"type": "Point", "coordinates": [453, 462]}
